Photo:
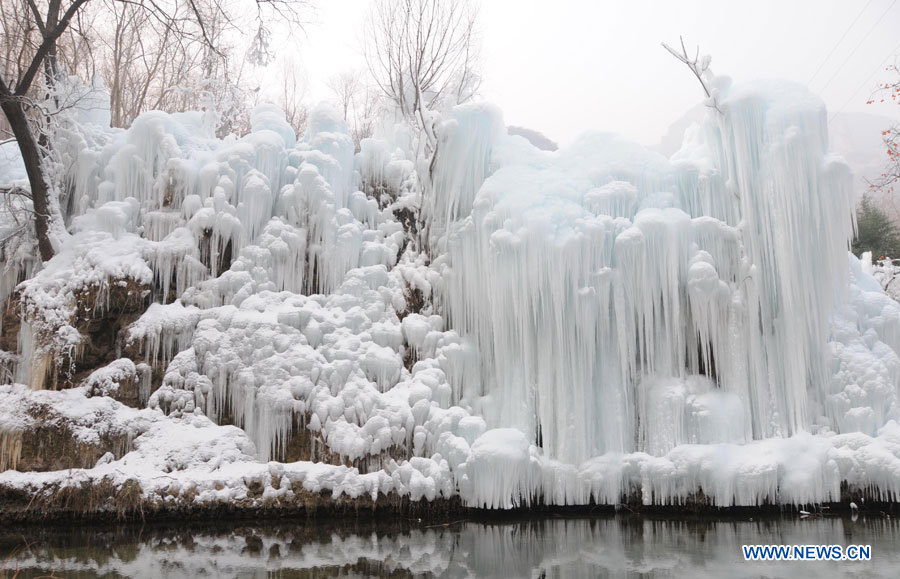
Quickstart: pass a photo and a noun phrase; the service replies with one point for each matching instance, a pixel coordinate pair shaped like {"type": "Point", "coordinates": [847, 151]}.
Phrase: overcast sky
{"type": "Point", "coordinates": [565, 66]}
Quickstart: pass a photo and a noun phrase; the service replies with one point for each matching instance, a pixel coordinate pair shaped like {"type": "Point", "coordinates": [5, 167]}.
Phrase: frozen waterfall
{"type": "Point", "coordinates": [623, 302]}
{"type": "Point", "coordinates": [504, 324]}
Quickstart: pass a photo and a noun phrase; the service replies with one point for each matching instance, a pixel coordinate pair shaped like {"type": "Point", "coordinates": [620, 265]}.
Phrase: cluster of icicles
{"type": "Point", "coordinates": [600, 307]}
{"type": "Point", "coordinates": [624, 302]}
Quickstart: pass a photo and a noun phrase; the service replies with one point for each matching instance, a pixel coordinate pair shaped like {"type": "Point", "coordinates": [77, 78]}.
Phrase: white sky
{"type": "Point", "coordinates": [565, 66]}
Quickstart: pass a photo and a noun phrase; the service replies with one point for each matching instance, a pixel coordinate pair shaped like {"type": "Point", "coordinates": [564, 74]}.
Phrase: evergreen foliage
{"type": "Point", "coordinates": [876, 232]}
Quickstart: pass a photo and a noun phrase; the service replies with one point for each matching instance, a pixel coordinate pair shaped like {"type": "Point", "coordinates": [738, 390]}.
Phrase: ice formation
{"type": "Point", "coordinates": [614, 277]}
{"type": "Point", "coordinates": [503, 323]}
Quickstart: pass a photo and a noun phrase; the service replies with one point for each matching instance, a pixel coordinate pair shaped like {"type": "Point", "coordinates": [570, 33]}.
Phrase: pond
{"type": "Point", "coordinates": [547, 546]}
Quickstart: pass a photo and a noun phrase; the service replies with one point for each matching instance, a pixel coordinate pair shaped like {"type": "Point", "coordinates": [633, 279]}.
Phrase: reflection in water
{"type": "Point", "coordinates": [534, 547]}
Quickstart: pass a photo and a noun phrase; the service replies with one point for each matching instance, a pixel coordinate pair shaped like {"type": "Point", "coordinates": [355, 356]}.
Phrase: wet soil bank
{"type": "Point", "coordinates": [109, 503]}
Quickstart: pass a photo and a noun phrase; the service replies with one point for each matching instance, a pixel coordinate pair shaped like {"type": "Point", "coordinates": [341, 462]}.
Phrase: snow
{"type": "Point", "coordinates": [163, 331]}
{"type": "Point", "coordinates": [86, 417]}
{"type": "Point", "coordinates": [566, 326]}
{"type": "Point", "coordinates": [107, 380]}
{"type": "Point", "coordinates": [192, 454]}
{"type": "Point", "coordinates": [271, 118]}
{"type": "Point", "coordinates": [12, 168]}
{"type": "Point", "coordinates": [48, 300]}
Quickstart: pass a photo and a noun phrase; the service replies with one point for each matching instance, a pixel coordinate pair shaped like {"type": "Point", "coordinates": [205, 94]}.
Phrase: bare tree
{"type": "Point", "coordinates": [293, 96]}
{"type": "Point", "coordinates": [32, 33]}
{"type": "Point", "coordinates": [357, 101]}
{"type": "Point", "coordinates": [15, 102]}
{"type": "Point", "coordinates": [149, 63]}
{"type": "Point", "coordinates": [345, 87]}
{"type": "Point", "coordinates": [364, 108]}
{"type": "Point", "coordinates": [139, 49]}
{"type": "Point", "coordinates": [420, 52]}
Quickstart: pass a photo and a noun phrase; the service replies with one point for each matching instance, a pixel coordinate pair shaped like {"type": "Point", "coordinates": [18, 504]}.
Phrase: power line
{"type": "Point", "coordinates": [865, 82]}
{"type": "Point", "coordinates": [838, 43]}
{"type": "Point", "coordinates": [863, 39]}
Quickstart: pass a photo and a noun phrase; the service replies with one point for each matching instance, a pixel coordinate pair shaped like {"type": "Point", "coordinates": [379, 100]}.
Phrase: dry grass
{"type": "Point", "coordinates": [103, 500]}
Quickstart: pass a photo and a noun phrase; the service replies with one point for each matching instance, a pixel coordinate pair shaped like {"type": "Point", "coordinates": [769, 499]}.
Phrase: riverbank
{"type": "Point", "coordinates": [105, 501]}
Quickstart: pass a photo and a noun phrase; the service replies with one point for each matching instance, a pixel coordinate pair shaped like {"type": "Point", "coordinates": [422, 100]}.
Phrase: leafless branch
{"type": "Point", "coordinates": [699, 66]}
{"type": "Point", "coordinates": [419, 51]}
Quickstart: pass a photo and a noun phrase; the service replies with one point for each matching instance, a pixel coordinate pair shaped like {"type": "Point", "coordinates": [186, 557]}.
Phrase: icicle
{"type": "Point", "coordinates": [10, 448]}
{"type": "Point", "coordinates": [163, 331]}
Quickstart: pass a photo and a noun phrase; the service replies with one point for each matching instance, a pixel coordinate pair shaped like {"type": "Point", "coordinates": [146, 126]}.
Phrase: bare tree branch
{"type": "Point", "coordinates": [699, 66]}
{"type": "Point", "coordinates": [418, 49]}
{"type": "Point", "coordinates": [49, 42]}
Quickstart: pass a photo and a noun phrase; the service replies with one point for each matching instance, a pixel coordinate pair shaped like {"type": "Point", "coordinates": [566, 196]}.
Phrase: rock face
{"type": "Point", "coordinates": [49, 445]}
{"type": "Point", "coordinates": [78, 331]}
{"type": "Point", "coordinates": [52, 431]}
{"type": "Point", "coordinates": [101, 324]}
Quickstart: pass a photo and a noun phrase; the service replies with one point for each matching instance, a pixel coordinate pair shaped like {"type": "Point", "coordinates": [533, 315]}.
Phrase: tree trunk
{"type": "Point", "coordinates": [40, 188]}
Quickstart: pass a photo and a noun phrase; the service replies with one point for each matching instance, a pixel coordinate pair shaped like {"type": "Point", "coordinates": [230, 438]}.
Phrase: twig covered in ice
{"type": "Point", "coordinates": [699, 65]}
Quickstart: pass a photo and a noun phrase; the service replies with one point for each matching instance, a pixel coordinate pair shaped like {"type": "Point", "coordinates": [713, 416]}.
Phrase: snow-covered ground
{"type": "Point", "coordinates": [568, 326]}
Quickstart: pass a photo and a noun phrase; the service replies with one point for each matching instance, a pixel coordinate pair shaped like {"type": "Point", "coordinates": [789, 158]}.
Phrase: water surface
{"type": "Point", "coordinates": [549, 546]}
